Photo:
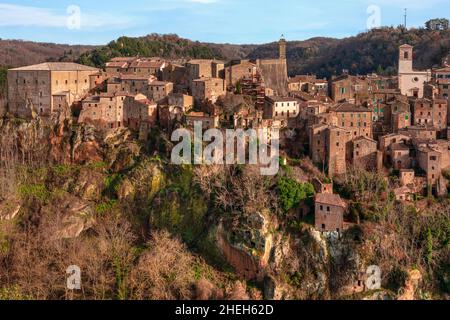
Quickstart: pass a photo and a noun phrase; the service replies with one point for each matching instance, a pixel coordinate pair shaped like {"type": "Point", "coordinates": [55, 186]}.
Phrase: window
{"type": "Point", "coordinates": [321, 208]}
{"type": "Point", "coordinates": [67, 82]}
{"type": "Point", "coordinates": [406, 55]}
{"type": "Point", "coordinates": [328, 209]}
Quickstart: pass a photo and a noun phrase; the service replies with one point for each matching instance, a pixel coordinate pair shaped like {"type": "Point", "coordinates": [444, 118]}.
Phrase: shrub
{"type": "Point", "coordinates": [292, 193]}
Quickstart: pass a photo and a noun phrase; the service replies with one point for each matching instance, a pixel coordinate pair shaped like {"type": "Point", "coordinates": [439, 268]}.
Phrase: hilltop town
{"type": "Point", "coordinates": [377, 123]}
{"type": "Point", "coordinates": [363, 181]}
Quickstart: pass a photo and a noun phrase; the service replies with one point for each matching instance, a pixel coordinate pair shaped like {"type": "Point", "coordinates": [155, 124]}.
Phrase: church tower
{"type": "Point", "coordinates": [282, 46]}
{"type": "Point", "coordinates": [405, 63]}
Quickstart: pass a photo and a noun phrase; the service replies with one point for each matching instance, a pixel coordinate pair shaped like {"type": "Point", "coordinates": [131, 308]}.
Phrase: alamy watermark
{"type": "Point", "coordinates": [74, 278]}
{"type": "Point", "coordinates": [262, 144]}
{"type": "Point", "coordinates": [374, 19]}
{"type": "Point", "coordinates": [73, 21]}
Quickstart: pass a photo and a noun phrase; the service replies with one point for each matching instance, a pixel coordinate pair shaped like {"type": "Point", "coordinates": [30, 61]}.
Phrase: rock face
{"type": "Point", "coordinates": [248, 245]}
{"type": "Point", "coordinates": [76, 217]}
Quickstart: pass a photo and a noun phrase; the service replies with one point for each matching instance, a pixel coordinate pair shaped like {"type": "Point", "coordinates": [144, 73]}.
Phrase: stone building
{"type": "Point", "coordinates": [208, 121]}
{"type": "Point", "coordinates": [329, 148]}
{"type": "Point", "coordinates": [411, 82]}
{"type": "Point", "coordinates": [309, 84]}
{"type": "Point", "coordinates": [106, 111]}
{"type": "Point", "coordinates": [178, 75]}
{"type": "Point", "coordinates": [364, 153]}
{"type": "Point", "coordinates": [349, 88]}
{"type": "Point", "coordinates": [34, 86]}
{"type": "Point", "coordinates": [431, 113]}
{"type": "Point", "coordinates": [329, 212]}
{"type": "Point", "coordinates": [209, 89]}
{"type": "Point", "coordinates": [140, 113]}
{"type": "Point", "coordinates": [184, 101]}
{"type": "Point", "coordinates": [388, 141]}
{"type": "Point", "coordinates": [205, 68]}
{"type": "Point", "coordinates": [400, 154]}
{"type": "Point", "coordinates": [121, 109]}
{"type": "Point", "coordinates": [429, 159]}
{"type": "Point", "coordinates": [441, 78]}
{"type": "Point", "coordinates": [138, 66]}
{"type": "Point", "coordinates": [421, 132]}
{"type": "Point", "coordinates": [353, 118]}
{"type": "Point", "coordinates": [158, 90]}
{"type": "Point", "coordinates": [117, 66]}
{"type": "Point", "coordinates": [281, 108]}
{"type": "Point", "coordinates": [237, 70]}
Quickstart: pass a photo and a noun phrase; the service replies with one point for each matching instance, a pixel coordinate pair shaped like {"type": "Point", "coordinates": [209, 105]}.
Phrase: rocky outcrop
{"type": "Point", "coordinates": [76, 216]}
{"type": "Point", "coordinates": [247, 244]}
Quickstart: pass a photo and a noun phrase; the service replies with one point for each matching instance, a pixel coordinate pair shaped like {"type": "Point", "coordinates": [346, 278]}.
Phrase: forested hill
{"type": "Point", "coordinates": [373, 51]}
{"type": "Point", "coordinates": [18, 53]}
{"type": "Point", "coordinates": [167, 46]}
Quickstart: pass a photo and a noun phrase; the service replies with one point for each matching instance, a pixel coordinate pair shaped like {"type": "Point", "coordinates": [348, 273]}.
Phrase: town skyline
{"type": "Point", "coordinates": [204, 20]}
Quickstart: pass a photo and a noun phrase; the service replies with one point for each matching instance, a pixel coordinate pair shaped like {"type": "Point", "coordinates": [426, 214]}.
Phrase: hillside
{"type": "Point", "coordinates": [17, 53]}
{"type": "Point", "coordinates": [167, 46]}
{"type": "Point", "coordinates": [373, 51]}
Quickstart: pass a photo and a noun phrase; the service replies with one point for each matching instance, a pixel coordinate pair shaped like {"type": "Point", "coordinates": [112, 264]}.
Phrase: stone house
{"type": "Point", "coordinates": [281, 108]}
{"type": "Point", "coordinates": [441, 78]}
{"type": "Point", "coordinates": [329, 147]}
{"type": "Point", "coordinates": [106, 111]}
{"type": "Point", "coordinates": [349, 88]}
{"type": "Point", "coordinates": [353, 118]}
{"type": "Point", "coordinates": [184, 101]}
{"type": "Point", "coordinates": [208, 121]}
{"type": "Point", "coordinates": [158, 90]}
{"type": "Point", "coordinates": [403, 194]}
{"type": "Point", "coordinates": [364, 153]}
{"type": "Point", "coordinates": [430, 112]}
{"type": "Point", "coordinates": [34, 86]}
{"type": "Point", "coordinates": [177, 74]}
{"type": "Point", "coordinates": [329, 212]}
{"type": "Point", "coordinates": [429, 159]}
{"type": "Point", "coordinates": [401, 156]}
{"type": "Point", "coordinates": [205, 68]}
{"type": "Point", "coordinates": [117, 66]}
{"type": "Point", "coordinates": [208, 89]}
{"type": "Point", "coordinates": [238, 70]}
{"type": "Point", "coordinates": [139, 111]}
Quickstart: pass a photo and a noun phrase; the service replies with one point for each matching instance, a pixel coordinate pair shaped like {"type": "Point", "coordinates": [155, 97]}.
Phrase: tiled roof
{"type": "Point", "coordinates": [56, 66]}
{"type": "Point", "coordinates": [330, 198]}
{"type": "Point", "coordinates": [349, 107]}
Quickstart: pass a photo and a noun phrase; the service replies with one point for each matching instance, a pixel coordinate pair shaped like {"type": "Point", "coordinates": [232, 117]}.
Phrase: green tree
{"type": "Point", "coordinates": [291, 193]}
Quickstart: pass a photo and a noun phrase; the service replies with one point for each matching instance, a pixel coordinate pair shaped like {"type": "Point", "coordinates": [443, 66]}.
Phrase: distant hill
{"type": "Point", "coordinates": [373, 51]}
{"type": "Point", "coordinates": [167, 46]}
{"type": "Point", "coordinates": [17, 53]}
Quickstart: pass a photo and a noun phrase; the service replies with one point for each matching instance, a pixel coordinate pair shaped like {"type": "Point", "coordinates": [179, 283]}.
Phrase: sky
{"type": "Point", "coordinates": [218, 21]}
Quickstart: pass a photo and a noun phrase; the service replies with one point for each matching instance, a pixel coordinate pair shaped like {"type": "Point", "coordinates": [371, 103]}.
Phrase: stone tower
{"type": "Point", "coordinates": [282, 45]}
{"type": "Point", "coordinates": [405, 63]}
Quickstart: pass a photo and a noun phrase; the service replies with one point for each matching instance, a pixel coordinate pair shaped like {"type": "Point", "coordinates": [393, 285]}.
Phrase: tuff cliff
{"type": "Point", "coordinates": [233, 236]}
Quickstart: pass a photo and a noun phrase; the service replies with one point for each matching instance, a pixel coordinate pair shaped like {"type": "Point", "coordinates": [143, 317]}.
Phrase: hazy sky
{"type": "Point", "coordinates": [232, 21]}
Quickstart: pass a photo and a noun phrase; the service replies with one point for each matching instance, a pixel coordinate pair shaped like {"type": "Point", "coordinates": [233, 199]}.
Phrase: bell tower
{"type": "Point", "coordinates": [282, 48]}
{"type": "Point", "coordinates": [405, 63]}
